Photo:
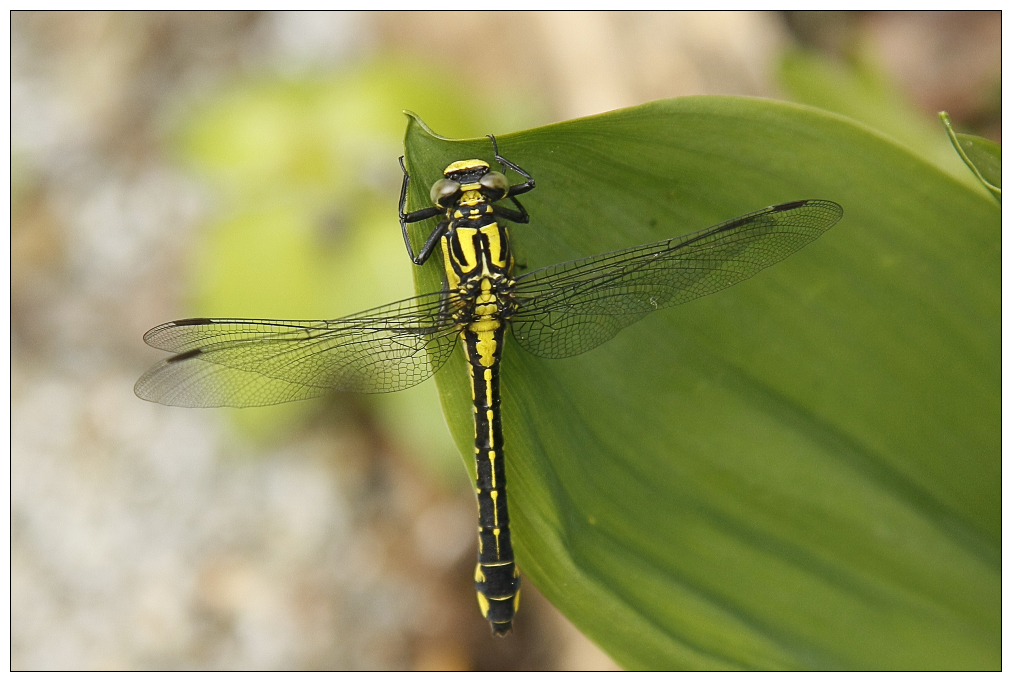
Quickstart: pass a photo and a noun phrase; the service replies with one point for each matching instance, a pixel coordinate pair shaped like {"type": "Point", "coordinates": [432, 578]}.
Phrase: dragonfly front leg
{"type": "Point", "coordinates": [429, 245]}
{"type": "Point", "coordinates": [417, 216]}
{"type": "Point", "coordinates": [506, 163]}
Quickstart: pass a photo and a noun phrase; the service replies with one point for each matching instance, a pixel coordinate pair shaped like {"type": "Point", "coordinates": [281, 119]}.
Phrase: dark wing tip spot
{"type": "Point", "coordinates": [192, 321]}
{"type": "Point", "coordinates": [791, 205]}
{"type": "Point", "coordinates": [824, 204]}
{"type": "Point", "coordinates": [184, 356]}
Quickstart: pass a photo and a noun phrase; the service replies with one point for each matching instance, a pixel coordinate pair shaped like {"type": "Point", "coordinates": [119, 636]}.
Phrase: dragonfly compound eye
{"type": "Point", "coordinates": [443, 192]}
{"type": "Point", "coordinates": [496, 184]}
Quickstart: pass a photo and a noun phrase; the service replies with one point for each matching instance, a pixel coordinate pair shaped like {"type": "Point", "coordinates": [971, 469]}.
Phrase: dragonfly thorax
{"type": "Point", "coordinates": [475, 241]}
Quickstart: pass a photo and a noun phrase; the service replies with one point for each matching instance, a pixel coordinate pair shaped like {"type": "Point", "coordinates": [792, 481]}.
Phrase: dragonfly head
{"type": "Point", "coordinates": [464, 176]}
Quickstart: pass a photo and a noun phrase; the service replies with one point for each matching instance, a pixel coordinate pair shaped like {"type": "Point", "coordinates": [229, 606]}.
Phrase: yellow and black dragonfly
{"type": "Point", "coordinates": [556, 312]}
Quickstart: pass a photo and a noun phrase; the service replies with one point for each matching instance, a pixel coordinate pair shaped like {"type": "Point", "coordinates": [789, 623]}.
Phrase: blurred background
{"type": "Point", "coordinates": [167, 165]}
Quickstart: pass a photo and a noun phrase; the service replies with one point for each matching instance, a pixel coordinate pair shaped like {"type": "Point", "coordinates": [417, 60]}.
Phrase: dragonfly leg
{"type": "Point", "coordinates": [520, 216]}
{"type": "Point", "coordinates": [429, 245]}
{"type": "Point", "coordinates": [417, 216]}
{"type": "Point", "coordinates": [523, 187]}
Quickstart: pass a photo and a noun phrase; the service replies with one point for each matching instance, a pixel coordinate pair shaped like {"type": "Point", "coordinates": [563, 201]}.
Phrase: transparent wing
{"type": "Point", "coordinates": [569, 308]}
{"type": "Point", "coordinates": [245, 363]}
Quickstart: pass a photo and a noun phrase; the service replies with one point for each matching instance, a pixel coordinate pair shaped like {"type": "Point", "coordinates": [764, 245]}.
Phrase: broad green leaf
{"type": "Point", "coordinates": [981, 155]}
{"type": "Point", "coordinates": [799, 472]}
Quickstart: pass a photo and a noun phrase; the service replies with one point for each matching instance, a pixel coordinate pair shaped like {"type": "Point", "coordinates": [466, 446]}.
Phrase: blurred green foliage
{"type": "Point", "coordinates": [800, 472]}
{"type": "Point", "coordinates": [862, 92]}
{"type": "Point", "coordinates": [304, 178]}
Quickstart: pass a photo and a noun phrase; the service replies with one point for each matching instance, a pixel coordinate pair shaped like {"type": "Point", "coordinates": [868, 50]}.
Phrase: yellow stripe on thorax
{"type": "Point", "coordinates": [465, 237]}
{"type": "Point", "coordinates": [495, 246]}
{"type": "Point", "coordinates": [451, 275]}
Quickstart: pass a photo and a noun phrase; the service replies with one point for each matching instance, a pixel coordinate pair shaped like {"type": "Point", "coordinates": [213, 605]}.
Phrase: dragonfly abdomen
{"type": "Point", "coordinates": [496, 577]}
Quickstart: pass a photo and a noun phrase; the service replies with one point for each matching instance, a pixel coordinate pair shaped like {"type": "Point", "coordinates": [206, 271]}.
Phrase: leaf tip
{"type": "Point", "coordinates": [986, 165]}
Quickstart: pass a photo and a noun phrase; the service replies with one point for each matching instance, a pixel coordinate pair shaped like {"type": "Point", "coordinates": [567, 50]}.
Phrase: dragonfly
{"type": "Point", "coordinates": [556, 312]}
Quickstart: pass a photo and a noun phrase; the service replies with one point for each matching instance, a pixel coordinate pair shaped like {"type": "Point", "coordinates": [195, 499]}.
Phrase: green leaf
{"type": "Point", "coordinates": [981, 155]}
{"type": "Point", "coordinates": [799, 472]}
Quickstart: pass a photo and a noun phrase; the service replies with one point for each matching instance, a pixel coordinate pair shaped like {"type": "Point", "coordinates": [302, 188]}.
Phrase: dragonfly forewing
{"type": "Point", "coordinates": [570, 308]}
